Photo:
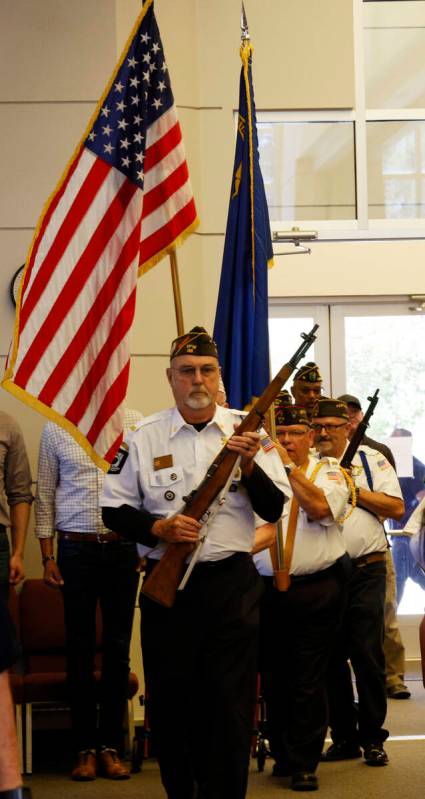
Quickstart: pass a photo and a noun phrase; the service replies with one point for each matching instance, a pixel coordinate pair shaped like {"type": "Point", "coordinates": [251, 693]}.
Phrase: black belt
{"type": "Point", "coordinates": [223, 563]}
{"type": "Point", "coordinates": [204, 566]}
{"type": "Point", "coordinates": [89, 538]}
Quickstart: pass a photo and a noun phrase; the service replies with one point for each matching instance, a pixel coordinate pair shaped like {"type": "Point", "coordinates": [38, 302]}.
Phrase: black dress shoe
{"type": "Point", "coordinates": [399, 691]}
{"type": "Point", "coordinates": [375, 755]}
{"type": "Point", "coordinates": [304, 781]}
{"type": "Point", "coordinates": [342, 750]}
{"type": "Point", "coordinates": [281, 770]}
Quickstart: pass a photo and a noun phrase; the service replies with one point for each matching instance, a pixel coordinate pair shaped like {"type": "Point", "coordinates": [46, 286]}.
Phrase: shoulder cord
{"type": "Point", "coordinates": [350, 482]}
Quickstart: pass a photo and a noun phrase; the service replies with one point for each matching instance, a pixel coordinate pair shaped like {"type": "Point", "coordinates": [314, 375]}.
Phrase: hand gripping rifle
{"type": "Point", "coordinates": [162, 583]}
{"type": "Point", "coordinates": [355, 442]}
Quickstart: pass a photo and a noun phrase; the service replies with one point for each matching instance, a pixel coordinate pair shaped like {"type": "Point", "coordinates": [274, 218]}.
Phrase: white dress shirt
{"type": "Point", "coordinates": [168, 458]}
{"type": "Point", "coordinates": [318, 544]}
{"type": "Point", "coordinates": [363, 532]}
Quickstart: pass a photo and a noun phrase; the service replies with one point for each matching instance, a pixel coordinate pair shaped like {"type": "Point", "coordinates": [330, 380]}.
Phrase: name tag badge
{"type": "Point", "coordinates": [162, 462]}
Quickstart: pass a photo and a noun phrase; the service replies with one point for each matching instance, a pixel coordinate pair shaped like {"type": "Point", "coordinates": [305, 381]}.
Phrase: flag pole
{"type": "Point", "coordinates": [277, 549]}
{"type": "Point", "coordinates": [176, 292]}
{"type": "Point", "coordinates": [244, 25]}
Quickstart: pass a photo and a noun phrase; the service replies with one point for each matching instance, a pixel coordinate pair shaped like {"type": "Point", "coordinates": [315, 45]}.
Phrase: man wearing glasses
{"type": "Point", "coordinates": [362, 633]}
{"type": "Point", "coordinates": [200, 656]}
{"type": "Point", "coordinates": [299, 624]}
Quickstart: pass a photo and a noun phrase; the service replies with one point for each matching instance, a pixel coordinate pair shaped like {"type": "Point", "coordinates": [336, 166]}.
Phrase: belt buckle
{"type": "Point", "coordinates": [101, 538]}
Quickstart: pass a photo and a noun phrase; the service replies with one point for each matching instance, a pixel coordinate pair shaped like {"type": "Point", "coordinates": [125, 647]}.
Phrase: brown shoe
{"type": "Point", "coordinates": [111, 765]}
{"type": "Point", "coordinates": [85, 768]}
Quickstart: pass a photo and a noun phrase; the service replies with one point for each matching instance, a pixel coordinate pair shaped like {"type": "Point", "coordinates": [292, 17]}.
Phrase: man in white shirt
{"type": "Point", "coordinates": [299, 624]}
{"type": "Point", "coordinates": [362, 633]}
{"type": "Point", "coordinates": [200, 656]}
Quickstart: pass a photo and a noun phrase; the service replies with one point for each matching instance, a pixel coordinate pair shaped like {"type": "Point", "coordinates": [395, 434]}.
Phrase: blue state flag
{"type": "Point", "coordinates": [241, 322]}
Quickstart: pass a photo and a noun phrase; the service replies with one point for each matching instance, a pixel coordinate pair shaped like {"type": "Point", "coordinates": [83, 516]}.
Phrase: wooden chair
{"type": "Point", "coordinates": [15, 674]}
{"type": "Point", "coordinates": [43, 640]}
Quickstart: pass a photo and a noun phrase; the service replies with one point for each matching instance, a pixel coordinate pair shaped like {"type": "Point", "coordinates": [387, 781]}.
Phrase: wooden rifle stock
{"type": "Point", "coordinates": [355, 442]}
{"type": "Point", "coordinates": [162, 583]}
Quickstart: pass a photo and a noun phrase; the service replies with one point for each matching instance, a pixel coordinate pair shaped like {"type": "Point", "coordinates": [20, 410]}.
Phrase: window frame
{"type": "Point", "coordinates": [363, 227]}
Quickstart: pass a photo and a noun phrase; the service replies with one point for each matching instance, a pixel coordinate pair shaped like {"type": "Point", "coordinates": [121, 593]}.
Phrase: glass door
{"type": "Point", "coordinates": [286, 323]}
{"type": "Point", "coordinates": [380, 346]}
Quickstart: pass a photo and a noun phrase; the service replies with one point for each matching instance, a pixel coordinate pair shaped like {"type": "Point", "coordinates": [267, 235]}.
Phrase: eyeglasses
{"type": "Point", "coordinates": [330, 428]}
{"type": "Point", "coordinates": [189, 372]}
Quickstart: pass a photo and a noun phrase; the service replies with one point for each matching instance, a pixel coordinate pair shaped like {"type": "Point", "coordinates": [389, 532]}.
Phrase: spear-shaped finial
{"type": "Point", "coordinates": [245, 37]}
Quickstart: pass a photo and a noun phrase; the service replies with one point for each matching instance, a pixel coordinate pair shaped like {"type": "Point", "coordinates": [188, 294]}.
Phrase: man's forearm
{"type": "Point", "coordinates": [311, 498]}
{"type": "Point", "coordinates": [267, 499]}
{"type": "Point", "coordinates": [381, 504]}
{"type": "Point", "coordinates": [130, 523]}
{"type": "Point", "coordinates": [19, 517]}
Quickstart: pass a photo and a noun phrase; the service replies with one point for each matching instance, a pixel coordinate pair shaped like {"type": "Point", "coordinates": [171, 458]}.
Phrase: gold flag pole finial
{"type": "Point", "coordinates": [245, 37]}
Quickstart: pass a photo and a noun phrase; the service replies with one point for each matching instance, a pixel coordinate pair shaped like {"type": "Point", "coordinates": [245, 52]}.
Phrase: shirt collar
{"type": "Point", "coordinates": [177, 421]}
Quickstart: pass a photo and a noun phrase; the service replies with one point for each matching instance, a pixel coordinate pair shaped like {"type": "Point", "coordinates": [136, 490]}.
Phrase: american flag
{"type": "Point", "coordinates": [123, 203]}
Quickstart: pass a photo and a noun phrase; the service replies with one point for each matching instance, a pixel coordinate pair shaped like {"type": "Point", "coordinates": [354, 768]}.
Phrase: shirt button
{"type": "Point", "coordinates": [173, 476]}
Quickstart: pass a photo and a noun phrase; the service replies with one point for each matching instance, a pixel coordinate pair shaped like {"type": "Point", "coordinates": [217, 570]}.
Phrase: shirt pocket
{"type": "Point", "coordinates": [166, 489]}
{"type": "Point", "coordinates": [237, 495]}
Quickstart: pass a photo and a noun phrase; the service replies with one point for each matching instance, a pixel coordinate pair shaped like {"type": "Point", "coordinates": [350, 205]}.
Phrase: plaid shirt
{"type": "Point", "coordinates": [69, 485]}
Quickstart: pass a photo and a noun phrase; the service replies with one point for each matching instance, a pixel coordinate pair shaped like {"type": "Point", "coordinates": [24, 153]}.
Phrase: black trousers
{"type": "Point", "coordinates": [200, 661]}
{"type": "Point", "coordinates": [92, 572]}
{"type": "Point", "coordinates": [298, 628]}
{"type": "Point", "coordinates": [4, 563]}
{"type": "Point", "coordinates": [361, 640]}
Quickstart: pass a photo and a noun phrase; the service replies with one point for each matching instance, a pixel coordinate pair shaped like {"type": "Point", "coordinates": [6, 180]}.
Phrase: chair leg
{"type": "Point", "coordinates": [28, 738]}
{"type": "Point", "coordinates": [19, 735]}
{"type": "Point", "coordinates": [130, 728]}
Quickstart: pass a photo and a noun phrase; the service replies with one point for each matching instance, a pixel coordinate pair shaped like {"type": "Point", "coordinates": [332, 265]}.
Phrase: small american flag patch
{"type": "Point", "coordinates": [334, 475]}
{"type": "Point", "coordinates": [266, 443]}
{"type": "Point", "coordinates": [383, 463]}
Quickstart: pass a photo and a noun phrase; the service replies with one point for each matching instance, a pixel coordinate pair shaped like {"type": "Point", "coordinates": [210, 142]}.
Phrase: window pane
{"type": "Point", "coordinates": [396, 169]}
{"type": "Point", "coordinates": [394, 38]}
{"type": "Point", "coordinates": [284, 335]}
{"type": "Point", "coordinates": [308, 169]}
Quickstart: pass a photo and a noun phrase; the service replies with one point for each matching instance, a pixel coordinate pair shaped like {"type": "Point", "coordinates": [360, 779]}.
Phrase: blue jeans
{"type": "Point", "coordinates": [106, 573]}
{"type": "Point", "coordinates": [405, 565]}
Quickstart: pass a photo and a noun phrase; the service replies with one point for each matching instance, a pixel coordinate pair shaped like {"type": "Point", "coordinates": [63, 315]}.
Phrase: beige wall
{"type": "Point", "coordinates": [50, 79]}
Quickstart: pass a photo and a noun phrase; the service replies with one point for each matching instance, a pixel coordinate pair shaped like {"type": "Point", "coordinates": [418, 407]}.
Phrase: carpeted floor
{"type": "Point", "coordinates": [403, 778]}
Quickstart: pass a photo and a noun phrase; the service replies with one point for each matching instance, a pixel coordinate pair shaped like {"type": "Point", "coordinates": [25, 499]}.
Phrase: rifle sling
{"type": "Point", "coordinates": [282, 575]}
